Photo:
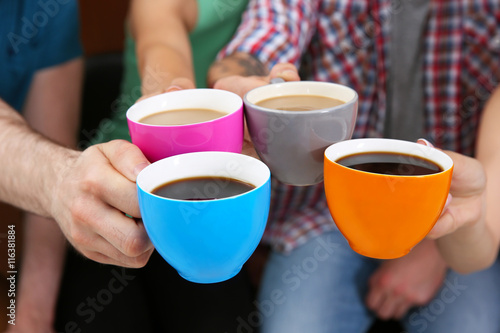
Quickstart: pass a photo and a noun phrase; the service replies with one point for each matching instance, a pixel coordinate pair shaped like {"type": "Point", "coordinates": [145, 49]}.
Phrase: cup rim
{"type": "Point", "coordinates": [365, 145]}
{"type": "Point", "coordinates": [217, 156]}
{"type": "Point", "coordinates": [353, 100]}
{"type": "Point", "coordinates": [130, 114]}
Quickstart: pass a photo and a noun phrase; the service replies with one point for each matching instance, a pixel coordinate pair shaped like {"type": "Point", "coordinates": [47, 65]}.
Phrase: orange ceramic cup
{"type": "Point", "coordinates": [383, 216]}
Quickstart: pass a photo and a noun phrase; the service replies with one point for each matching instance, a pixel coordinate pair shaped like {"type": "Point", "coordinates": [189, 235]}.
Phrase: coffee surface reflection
{"type": "Point", "coordinates": [299, 103]}
{"type": "Point", "coordinates": [181, 117]}
{"type": "Point", "coordinates": [202, 188]}
{"type": "Point", "coordinates": [390, 164]}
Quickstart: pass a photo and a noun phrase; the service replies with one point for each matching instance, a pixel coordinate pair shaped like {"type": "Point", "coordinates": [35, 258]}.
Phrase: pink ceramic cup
{"type": "Point", "coordinates": [159, 141]}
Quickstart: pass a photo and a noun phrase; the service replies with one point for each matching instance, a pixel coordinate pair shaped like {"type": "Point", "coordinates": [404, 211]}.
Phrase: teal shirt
{"type": "Point", "coordinates": [217, 22]}
{"type": "Point", "coordinates": [34, 37]}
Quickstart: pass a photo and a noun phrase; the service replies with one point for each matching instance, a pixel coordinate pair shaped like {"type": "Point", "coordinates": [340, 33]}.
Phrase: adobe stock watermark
{"type": "Point", "coordinates": [428, 314]}
{"type": "Point", "coordinates": [11, 274]}
{"type": "Point", "coordinates": [30, 26]}
{"type": "Point", "coordinates": [225, 7]}
{"type": "Point", "coordinates": [211, 189]}
{"type": "Point", "coordinates": [93, 305]}
{"type": "Point", "coordinates": [292, 279]}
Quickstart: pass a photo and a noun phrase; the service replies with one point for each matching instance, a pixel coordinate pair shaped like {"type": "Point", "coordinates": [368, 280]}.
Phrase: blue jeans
{"type": "Point", "coordinates": [321, 287]}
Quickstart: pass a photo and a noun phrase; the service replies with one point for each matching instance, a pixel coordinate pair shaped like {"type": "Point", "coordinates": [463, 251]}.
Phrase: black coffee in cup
{"type": "Point", "coordinates": [390, 164]}
{"type": "Point", "coordinates": [202, 188]}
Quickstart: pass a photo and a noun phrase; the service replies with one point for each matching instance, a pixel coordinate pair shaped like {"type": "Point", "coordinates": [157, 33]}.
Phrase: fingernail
{"type": "Point", "coordinates": [138, 168]}
{"type": "Point", "coordinates": [173, 88]}
{"type": "Point", "coordinates": [448, 201]}
{"type": "Point", "coordinates": [277, 80]}
{"type": "Point", "coordinates": [288, 74]}
{"type": "Point", "coordinates": [425, 142]}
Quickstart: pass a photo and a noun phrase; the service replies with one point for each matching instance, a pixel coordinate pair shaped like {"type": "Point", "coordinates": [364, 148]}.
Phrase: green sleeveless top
{"type": "Point", "coordinates": [217, 22]}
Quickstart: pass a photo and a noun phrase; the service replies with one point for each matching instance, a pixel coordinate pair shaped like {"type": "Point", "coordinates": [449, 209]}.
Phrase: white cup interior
{"type": "Point", "coordinates": [325, 89]}
{"type": "Point", "coordinates": [356, 146]}
{"type": "Point", "coordinates": [215, 99]}
{"type": "Point", "coordinates": [199, 164]}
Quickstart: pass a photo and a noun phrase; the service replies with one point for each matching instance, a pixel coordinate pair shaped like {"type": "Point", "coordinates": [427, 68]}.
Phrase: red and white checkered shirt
{"type": "Point", "coordinates": [347, 42]}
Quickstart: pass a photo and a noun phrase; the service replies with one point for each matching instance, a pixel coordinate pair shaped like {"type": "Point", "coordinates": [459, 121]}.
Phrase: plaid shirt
{"type": "Point", "coordinates": [347, 42]}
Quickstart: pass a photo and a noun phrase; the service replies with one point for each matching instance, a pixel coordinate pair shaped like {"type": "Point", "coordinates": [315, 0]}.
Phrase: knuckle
{"type": "Point", "coordinates": [79, 237]}
{"type": "Point", "coordinates": [142, 260]}
{"type": "Point", "coordinates": [135, 244]}
{"type": "Point", "coordinates": [122, 147]}
{"type": "Point", "coordinates": [79, 211]}
{"type": "Point", "coordinates": [90, 182]}
{"type": "Point", "coordinates": [220, 84]}
{"type": "Point", "coordinates": [226, 83]}
{"type": "Point", "coordinates": [90, 150]}
{"type": "Point", "coordinates": [92, 153]}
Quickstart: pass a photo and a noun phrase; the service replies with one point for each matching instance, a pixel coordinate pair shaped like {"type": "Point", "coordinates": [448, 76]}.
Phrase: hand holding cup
{"type": "Point", "coordinates": [204, 235]}
{"type": "Point", "coordinates": [385, 195]}
{"type": "Point", "coordinates": [292, 123]}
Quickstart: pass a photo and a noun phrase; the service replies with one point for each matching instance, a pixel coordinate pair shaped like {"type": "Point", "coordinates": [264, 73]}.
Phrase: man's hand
{"type": "Point", "coordinates": [94, 191]}
{"type": "Point", "coordinates": [413, 280]}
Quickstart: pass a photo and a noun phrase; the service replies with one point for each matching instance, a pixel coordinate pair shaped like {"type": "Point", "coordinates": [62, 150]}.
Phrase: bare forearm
{"type": "Point", "coordinates": [161, 32]}
{"type": "Point", "coordinates": [41, 272]}
{"type": "Point", "coordinates": [52, 108]}
{"type": "Point", "coordinates": [469, 249]}
{"type": "Point", "coordinates": [30, 163]}
{"type": "Point", "coordinates": [475, 245]}
{"type": "Point", "coordinates": [159, 65]}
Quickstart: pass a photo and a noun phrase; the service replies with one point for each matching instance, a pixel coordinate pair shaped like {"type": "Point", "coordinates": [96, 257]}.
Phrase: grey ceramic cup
{"type": "Point", "coordinates": [292, 143]}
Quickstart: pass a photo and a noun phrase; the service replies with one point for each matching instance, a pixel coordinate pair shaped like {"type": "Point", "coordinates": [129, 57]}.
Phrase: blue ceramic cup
{"type": "Point", "coordinates": [206, 241]}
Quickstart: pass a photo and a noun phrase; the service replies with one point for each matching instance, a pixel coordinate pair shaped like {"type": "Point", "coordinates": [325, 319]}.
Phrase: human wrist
{"type": "Point", "coordinates": [28, 179]}
{"type": "Point", "coordinates": [470, 248]}
{"type": "Point", "coordinates": [55, 175]}
{"type": "Point", "coordinates": [156, 73]}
